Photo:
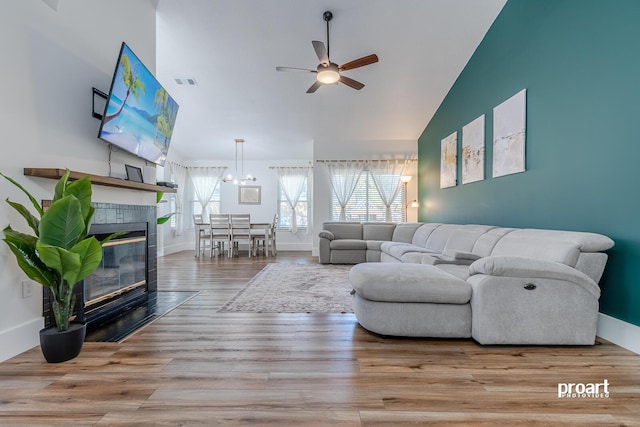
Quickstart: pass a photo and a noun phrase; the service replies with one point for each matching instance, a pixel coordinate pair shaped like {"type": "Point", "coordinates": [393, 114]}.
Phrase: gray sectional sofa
{"type": "Point", "coordinates": [498, 285]}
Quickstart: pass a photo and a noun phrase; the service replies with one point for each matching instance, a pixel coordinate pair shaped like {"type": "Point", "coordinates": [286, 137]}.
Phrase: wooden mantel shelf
{"type": "Point", "coordinates": [98, 180]}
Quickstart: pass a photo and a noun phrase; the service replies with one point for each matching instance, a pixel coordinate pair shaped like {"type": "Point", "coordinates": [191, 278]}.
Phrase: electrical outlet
{"type": "Point", "coordinates": [27, 289]}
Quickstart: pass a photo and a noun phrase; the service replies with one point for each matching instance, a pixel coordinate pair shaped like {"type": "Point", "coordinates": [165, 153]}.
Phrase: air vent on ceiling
{"type": "Point", "coordinates": [188, 81]}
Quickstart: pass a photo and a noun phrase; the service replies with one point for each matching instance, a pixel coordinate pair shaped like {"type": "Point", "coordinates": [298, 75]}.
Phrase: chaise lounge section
{"type": "Point", "coordinates": [498, 285]}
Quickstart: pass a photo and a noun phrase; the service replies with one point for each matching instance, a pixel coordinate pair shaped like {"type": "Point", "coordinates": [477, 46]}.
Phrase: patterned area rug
{"type": "Point", "coordinates": [295, 288]}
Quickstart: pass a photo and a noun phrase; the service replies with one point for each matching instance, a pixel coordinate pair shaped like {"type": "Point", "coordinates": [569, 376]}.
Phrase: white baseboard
{"type": "Point", "coordinates": [306, 247]}
{"type": "Point", "coordinates": [20, 338]}
{"type": "Point", "coordinates": [172, 249]}
{"type": "Point", "coordinates": [624, 334]}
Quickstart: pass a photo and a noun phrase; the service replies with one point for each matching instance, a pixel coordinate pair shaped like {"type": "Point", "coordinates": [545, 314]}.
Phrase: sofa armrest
{"type": "Point", "coordinates": [519, 267]}
{"type": "Point", "coordinates": [443, 259]}
{"type": "Point", "coordinates": [460, 255]}
{"type": "Point", "coordinates": [326, 234]}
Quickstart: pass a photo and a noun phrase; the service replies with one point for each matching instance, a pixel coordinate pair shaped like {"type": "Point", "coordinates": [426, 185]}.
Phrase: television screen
{"type": "Point", "coordinates": [139, 114]}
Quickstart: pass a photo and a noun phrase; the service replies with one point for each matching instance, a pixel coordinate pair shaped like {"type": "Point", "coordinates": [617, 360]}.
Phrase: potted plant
{"type": "Point", "coordinates": [58, 255]}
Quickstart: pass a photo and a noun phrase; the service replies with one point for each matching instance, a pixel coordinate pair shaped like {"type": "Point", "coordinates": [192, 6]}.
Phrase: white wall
{"type": "Point", "coordinates": [355, 150]}
{"type": "Point", "coordinates": [51, 60]}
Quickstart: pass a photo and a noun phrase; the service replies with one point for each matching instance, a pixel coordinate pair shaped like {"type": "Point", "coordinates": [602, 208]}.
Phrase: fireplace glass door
{"type": "Point", "coordinates": [123, 269]}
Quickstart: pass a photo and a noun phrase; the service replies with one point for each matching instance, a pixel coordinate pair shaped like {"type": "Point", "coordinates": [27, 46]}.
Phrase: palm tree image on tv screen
{"type": "Point", "coordinates": [140, 114]}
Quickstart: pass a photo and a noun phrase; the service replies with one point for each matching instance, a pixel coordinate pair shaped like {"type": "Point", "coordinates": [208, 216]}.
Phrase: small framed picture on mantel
{"type": "Point", "coordinates": [249, 195]}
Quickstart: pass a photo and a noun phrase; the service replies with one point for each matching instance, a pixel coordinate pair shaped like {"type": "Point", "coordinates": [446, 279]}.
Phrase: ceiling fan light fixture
{"type": "Point", "coordinates": [328, 74]}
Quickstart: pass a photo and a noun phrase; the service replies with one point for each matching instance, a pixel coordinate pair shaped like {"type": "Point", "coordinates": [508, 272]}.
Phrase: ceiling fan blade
{"type": "Point", "coordinates": [295, 69]}
{"type": "Point", "coordinates": [321, 51]}
{"type": "Point", "coordinates": [314, 87]}
{"type": "Point", "coordinates": [360, 62]}
{"type": "Point", "coordinates": [351, 83]}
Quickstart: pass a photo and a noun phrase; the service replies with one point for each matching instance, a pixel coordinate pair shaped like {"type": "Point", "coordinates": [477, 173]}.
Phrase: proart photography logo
{"type": "Point", "coordinates": [584, 391]}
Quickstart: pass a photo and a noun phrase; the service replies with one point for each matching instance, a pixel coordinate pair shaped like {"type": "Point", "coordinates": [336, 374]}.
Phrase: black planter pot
{"type": "Point", "coordinates": [62, 346]}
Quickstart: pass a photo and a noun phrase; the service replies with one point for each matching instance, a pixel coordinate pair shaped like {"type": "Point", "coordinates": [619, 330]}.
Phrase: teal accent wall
{"type": "Point", "coordinates": [580, 63]}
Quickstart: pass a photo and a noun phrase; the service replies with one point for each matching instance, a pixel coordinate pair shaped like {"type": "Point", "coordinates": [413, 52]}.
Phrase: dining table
{"type": "Point", "coordinates": [258, 229]}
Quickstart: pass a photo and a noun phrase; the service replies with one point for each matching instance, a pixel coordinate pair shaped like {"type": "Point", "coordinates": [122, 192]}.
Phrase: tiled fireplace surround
{"type": "Point", "coordinates": [114, 215]}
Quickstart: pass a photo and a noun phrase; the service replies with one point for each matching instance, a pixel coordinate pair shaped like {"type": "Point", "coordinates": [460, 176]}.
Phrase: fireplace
{"type": "Point", "coordinates": [120, 282]}
{"type": "Point", "coordinates": [127, 276]}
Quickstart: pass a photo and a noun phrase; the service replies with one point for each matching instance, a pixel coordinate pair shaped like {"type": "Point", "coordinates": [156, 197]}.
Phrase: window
{"type": "Point", "coordinates": [366, 205]}
{"type": "Point", "coordinates": [172, 208]}
{"type": "Point", "coordinates": [212, 208]}
{"type": "Point", "coordinates": [284, 210]}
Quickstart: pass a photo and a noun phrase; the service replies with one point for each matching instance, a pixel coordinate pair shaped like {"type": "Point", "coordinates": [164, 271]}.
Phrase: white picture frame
{"type": "Point", "coordinates": [473, 151]}
{"type": "Point", "coordinates": [249, 194]}
{"type": "Point", "coordinates": [449, 161]}
{"type": "Point", "coordinates": [509, 135]}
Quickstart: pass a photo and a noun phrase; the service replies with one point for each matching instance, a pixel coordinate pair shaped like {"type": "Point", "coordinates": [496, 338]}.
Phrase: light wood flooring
{"type": "Point", "coordinates": [197, 367]}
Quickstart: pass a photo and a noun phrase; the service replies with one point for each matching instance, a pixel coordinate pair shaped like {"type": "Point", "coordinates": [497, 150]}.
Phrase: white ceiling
{"type": "Point", "coordinates": [231, 48]}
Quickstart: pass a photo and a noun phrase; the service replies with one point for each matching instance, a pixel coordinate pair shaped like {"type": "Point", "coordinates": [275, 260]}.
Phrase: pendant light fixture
{"type": "Point", "coordinates": [241, 179]}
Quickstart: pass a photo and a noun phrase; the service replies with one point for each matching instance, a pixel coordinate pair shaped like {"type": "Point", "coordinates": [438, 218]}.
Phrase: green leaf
{"type": "Point", "coordinates": [90, 253]}
{"type": "Point", "coordinates": [65, 262]}
{"type": "Point", "coordinates": [34, 202]}
{"type": "Point", "coordinates": [32, 221]}
{"type": "Point", "coordinates": [87, 222]}
{"type": "Point", "coordinates": [161, 220]}
{"type": "Point", "coordinates": [61, 186]}
{"type": "Point", "coordinates": [159, 196]}
{"type": "Point", "coordinates": [23, 247]}
{"type": "Point", "coordinates": [81, 189]}
{"type": "Point", "coordinates": [62, 224]}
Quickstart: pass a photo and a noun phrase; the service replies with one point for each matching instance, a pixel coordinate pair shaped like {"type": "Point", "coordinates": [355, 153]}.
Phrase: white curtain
{"type": "Point", "coordinates": [205, 180]}
{"type": "Point", "coordinates": [344, 178]}
{"type": "Point", "coordinates": [386, 177]}
{"type": "Point", "coordinates": [309, 202]}
{"type": "Point", "coordinates": [179, 174]}
{"type": "Point", "coordinates": [292, 181]}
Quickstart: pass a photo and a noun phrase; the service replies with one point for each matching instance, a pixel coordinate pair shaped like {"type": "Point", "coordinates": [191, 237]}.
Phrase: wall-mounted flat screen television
{"type": "Point", "coordinates": [139, 114]}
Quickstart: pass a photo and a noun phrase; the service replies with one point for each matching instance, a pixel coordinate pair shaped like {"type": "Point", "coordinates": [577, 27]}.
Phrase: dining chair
{"type": "Point", "coordinates": [260, 233]}
{"type": "Point", "coordinates": [220, 231]}
{"type": "Point", "coordinates": [203, 234]}
{"type": "Point", "coordinates": [272, 235]}
{"type": "Point", "coordinates": [240, 232]}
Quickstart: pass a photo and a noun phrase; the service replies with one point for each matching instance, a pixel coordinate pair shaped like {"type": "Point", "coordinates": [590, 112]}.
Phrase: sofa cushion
{"type": "Point", "coordinates": [464, 237]}
{"type": "Point", "coordinates": [423, 232]}
{"type": "Point", "coordinates": [404, 232]}
{"type": "Point", "coordinates": [460, 271]}
{"type": "Point", "coordinates": [485, 243]}
{"type": "Point", "coordinates": [586, 242]}
{"type": "Point", "coordinates": [344, 230]}
{"type": "Point", "coordinates": [397, 251]}
{"type": "Point", "coordinates": [378, 231]}
{"type": "Point", "coordinates": [347, 244]}
{"type": "Point", "coordinates": [374, 245]}
{"type": "Point", "coordinates": [534, 246]}
{"type": "Point", "coordinates": [455, 236]}
{"type": "Point", "coordinates": [413, 283]}
{"type": "Point", "coordinates": [413, 257]}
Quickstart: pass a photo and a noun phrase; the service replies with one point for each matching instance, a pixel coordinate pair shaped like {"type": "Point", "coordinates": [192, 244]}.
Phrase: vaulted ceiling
{"type": "Point", "coordinates": [232, 47]}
